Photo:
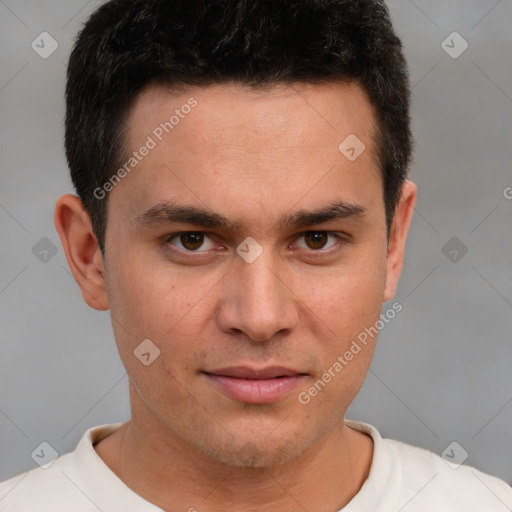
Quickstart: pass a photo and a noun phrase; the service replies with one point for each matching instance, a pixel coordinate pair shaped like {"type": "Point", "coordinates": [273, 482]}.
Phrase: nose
{"type": "Point", "coordinates": [257, 300]}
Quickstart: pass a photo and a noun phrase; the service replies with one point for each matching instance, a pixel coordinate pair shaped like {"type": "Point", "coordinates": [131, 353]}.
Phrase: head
{"type": "Point", "coordinates": [191, 126]}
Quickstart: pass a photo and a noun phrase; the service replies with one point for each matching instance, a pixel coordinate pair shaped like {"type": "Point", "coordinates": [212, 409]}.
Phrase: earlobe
{"type": "Point", "coordinates": [82, 251]}
{"type": "Point", "coordinates": [398, 236]}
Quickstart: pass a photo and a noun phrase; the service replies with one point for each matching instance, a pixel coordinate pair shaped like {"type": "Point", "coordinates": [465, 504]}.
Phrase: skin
{"type": "Point", "coordinates": [251, 156]}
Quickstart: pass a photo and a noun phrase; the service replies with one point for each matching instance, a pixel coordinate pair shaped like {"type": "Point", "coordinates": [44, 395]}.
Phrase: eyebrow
{"type": "Point", "coordinates": [167, 213]}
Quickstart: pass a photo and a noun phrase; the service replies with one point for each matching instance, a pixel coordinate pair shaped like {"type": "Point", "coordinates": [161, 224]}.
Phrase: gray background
{"type": "Point", "coordinates": [443, 367]}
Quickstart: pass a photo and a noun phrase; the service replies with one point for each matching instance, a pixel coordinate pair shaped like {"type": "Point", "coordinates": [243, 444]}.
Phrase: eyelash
{"type": "Point", "coordinates": [339, 237]}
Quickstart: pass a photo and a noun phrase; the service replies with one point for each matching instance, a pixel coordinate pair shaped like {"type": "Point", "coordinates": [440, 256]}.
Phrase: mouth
{"type": "Point", "coordinates": [255, 386]}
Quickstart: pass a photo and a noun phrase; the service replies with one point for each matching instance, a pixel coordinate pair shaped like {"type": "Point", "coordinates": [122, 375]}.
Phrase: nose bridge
{"type": "Point", "coordinates": [260, 304]}
{"type": "Point", "coordinates": [262, 279]}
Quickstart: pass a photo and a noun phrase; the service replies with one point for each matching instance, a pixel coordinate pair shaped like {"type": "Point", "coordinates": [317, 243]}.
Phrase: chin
{"type": "Point", "coordinates": [264, 452]}
{"type": "Point", "coordinates": [249, 455]}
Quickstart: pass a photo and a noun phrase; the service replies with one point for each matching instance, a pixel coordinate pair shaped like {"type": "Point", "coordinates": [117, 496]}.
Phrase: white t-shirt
{"type": "Point", "coordinates": [402, 478]}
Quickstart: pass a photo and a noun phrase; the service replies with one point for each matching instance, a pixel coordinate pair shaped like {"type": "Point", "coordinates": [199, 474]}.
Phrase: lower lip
{"type": "Point", "coordinates": [253, 391]}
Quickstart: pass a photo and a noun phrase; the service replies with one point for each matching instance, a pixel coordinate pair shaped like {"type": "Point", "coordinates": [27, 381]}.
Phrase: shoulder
{"type": "Point", "coordinates": [406, 477]}
{"type": "Point", "coordinates": [444, 483]}
{"type": "Point", "coordinates": [78, 481]}
{"type": "Point", "coordinates": [41, 486]}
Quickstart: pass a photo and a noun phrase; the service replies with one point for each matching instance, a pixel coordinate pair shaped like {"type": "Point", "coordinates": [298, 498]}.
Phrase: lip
{"type": "Point", "coordinates": [255, 386]}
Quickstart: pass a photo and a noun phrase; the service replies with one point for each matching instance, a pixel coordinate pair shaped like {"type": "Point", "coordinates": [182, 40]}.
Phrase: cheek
{"type": "Point", "coordinates": [347, 303]}
{"type": "Point", "coordinates": [348, 299]}
{"type": "Point", "coordinates": [152, 298]}
{"type": "Point", "coordinates": [145, 305]}
{"type": "Point", "coordinates": [160, 303]}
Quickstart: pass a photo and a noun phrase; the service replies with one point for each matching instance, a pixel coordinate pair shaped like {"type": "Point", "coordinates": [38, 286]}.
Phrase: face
{"type": "Point", "coordinates": [252, 252]}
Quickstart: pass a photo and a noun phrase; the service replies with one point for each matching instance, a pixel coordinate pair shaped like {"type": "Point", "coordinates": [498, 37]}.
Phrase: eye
{"type": "Point", "coordinates": [199, 241]}
{"type": "Point", "coordinates": [190, 241]}
{"type": "Point", "coordinates": [317, 240]}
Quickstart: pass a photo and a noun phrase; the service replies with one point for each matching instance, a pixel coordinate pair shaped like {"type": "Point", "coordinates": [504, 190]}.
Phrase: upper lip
{"type": "Point", "coordinates": [245, 372]}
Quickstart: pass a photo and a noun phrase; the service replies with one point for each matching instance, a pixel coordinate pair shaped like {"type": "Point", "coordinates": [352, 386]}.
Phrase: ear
{"type": "Point", "coordinates": [397, 236]}
{"type": "Point", "coordinates": [82, 250]}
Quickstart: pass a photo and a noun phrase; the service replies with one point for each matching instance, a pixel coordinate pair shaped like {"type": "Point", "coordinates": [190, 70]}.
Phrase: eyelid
{"type": "Point", "coordinates": [170, 237]}
{"type": "Point", "coordinates": [341, 238]}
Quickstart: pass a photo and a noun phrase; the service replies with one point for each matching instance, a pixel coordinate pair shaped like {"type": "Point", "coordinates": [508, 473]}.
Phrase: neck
{"type": "Point", "coordinates": [170, 473]}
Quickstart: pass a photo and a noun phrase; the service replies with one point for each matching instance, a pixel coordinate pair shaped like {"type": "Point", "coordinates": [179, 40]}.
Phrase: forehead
{"type": "Point", "coordinates": [301, 113]}
{"type": "Point", "coordinates": [229, 144]}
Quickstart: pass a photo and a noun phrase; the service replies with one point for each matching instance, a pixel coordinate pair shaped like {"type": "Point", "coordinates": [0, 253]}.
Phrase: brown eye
{"type": "Point", "coordinates": [316, 239]}
{"type": "Point", "coordinates": [190, 241]}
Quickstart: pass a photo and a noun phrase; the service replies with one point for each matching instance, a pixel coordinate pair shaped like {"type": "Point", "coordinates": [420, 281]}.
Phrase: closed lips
{"type": "Point", "coordinates": [244, 372]}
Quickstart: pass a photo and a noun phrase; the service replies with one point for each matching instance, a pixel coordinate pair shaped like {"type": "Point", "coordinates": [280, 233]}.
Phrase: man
{"type": "Point", "coordinates": [242, 213]}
